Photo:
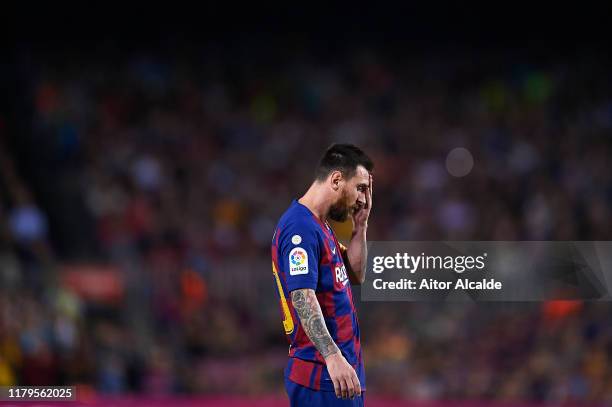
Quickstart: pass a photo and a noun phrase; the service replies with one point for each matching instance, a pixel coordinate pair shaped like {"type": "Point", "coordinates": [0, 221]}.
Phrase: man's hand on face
{"type": "Point", "coordinates": [361, 216]}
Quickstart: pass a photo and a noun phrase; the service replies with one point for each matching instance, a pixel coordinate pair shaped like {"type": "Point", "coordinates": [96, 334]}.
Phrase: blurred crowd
{"type": "Point", "coordinates": [175, 171]}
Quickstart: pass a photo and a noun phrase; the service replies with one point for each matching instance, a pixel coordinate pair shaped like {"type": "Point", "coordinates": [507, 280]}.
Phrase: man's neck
{"type": "Point", "coordinates": [316, 201]}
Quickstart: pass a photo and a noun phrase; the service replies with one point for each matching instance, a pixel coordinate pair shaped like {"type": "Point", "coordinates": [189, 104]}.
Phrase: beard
{"type": "Point", "coordinates": [339, 212]}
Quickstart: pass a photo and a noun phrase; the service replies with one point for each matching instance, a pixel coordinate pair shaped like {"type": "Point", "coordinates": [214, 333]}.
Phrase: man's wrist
{"type": "Point", "coordinates": [333, 356]}
{"type": "Point", "coordinates": [361, 229]}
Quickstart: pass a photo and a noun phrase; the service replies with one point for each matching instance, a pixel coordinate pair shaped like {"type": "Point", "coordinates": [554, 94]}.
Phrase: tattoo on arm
{"type": "Point", "coordinates": [308, 309]}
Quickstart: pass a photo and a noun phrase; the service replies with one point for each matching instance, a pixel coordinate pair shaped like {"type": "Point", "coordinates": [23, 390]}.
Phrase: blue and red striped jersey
{"type": "Point", "coordinates": [306, 254]}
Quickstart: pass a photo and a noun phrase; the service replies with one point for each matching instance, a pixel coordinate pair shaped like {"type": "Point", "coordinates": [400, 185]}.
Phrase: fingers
{"type": "Point", "coordinates": [337, 388]}
{"type": "Point", "coordinates": [370, 191]}
{"type": "Point", "coordinates": [346, 383]}
{"type": "Point", "coordinates": [356, 384]}
{"type": "Point", "coordinates": [349, 386]}
{"type": "Point", "coordinates": [344, 387]}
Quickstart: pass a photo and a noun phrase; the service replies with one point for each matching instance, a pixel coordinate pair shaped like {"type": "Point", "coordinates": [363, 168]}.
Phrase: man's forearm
{"type": "Point", "coordinates": [357, 254]}
{"type": "Point", "coordinates": [308, 309]}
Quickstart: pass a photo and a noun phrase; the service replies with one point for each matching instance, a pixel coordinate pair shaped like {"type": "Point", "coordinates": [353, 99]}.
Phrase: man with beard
{"type": "Point", "coordinates": [312, 271]}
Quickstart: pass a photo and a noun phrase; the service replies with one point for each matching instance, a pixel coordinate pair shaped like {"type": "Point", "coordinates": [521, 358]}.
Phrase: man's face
{"type": "Point", "coordinates": [352, 195]}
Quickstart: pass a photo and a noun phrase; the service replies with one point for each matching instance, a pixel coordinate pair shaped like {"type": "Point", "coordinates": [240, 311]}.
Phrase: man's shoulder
{"type": "Point", "coordinates": [295, 221]}
{"type": "Point", "coordinates": [295, 216]}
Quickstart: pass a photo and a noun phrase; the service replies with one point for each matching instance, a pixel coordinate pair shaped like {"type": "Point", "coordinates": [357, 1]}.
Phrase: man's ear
{"type": "Point", "coordinates": [335, 179]}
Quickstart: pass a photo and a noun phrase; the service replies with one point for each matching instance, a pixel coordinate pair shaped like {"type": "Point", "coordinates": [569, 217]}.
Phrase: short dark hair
{"type": "Point", "coordinates": [344, 158]}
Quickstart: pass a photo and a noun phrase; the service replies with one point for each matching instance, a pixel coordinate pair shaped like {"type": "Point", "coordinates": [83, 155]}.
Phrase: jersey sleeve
{"type": "Point", "coordinates": [300, 253]}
